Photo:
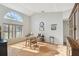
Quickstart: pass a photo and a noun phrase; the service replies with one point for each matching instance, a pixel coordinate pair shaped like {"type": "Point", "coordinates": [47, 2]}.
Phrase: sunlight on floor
{"type": "Point", "coordinates": [45, 49]}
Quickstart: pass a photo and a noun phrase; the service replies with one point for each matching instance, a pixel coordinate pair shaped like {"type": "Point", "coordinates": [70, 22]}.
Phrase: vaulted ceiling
{"type": "Point", "coordinates": [31, 8]}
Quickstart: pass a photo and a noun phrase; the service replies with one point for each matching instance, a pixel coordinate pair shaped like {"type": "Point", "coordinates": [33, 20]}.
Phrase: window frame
{"type": "Point", "coordinates": [13, 31]}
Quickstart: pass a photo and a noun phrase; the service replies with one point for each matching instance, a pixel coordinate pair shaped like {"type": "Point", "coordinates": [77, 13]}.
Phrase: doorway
{"type": "Point", "coordinates": [65, 31]}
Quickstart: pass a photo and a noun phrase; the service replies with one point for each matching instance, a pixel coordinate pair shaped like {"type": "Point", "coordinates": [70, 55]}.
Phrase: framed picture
{"type": "Point", "coordinates": [41, 26]}
{"type": "Point", "coordinates": [53, 26]}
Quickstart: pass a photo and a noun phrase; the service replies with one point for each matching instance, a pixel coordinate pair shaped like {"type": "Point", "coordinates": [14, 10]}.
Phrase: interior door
{"type": "Point", "coordinates": [76, 18]}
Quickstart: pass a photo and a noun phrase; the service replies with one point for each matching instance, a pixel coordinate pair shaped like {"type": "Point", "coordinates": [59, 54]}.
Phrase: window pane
{"type": "Point", "coordinates": [10, 28]}
{"type": "Point", "coordinates": [5, 35]}
{"type": "Point", "coordinates": [10, 35]}
{"type": "Point", "coordinates": [14, 31]}
{"type": "Point", "coordinates": [10, 31]}
{"type": "Point", "coordinates": [18, 31]}
{"type": "Point", "coordinates": [17, 34]}
{"type": "Point", "coordinates": [13, 16]}
{"type": "Point", "coordinates": [5, 27]}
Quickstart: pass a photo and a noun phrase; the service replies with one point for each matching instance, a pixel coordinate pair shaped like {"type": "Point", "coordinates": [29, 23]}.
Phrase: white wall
{"type": "Point", "coordinates": [66, 14]}
{"type": "Point", "coordinates": [48, 19]}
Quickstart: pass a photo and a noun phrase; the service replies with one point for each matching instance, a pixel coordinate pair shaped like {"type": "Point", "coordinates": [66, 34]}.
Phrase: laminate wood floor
{"type": "Point", "coordinates": [45, 49]}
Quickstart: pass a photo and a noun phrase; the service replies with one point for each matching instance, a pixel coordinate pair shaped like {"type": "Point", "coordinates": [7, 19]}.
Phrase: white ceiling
{"type": "Point", "coordinates": [31, 8]}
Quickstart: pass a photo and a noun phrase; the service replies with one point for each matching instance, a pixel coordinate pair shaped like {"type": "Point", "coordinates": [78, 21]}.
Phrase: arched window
{"type": "Point", "coordinates": [13, 16]}
{"type": "Point", "coordinates": [12, 30]}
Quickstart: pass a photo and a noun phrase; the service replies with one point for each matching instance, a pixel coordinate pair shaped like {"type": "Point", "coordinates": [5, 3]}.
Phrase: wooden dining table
{"type": "Point", "coordinates": [29, 41]}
